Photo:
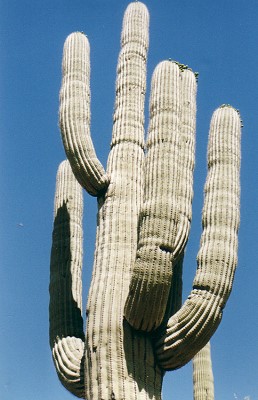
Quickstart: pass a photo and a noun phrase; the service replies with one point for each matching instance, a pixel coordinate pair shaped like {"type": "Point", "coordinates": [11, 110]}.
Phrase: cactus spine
{"type": "Point", "coordinates": [135, 327]}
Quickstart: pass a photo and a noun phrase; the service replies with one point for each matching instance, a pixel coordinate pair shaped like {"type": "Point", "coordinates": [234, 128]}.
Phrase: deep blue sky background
{"type": "Point", "coordinates": [219, 39]}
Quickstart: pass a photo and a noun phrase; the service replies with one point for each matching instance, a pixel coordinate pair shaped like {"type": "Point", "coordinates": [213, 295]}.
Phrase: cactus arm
{"type": "Point", "coordinates": [65, 309]}
{"type": "Point", "coordinates": [158, 219]}
{"type": "Point", "coordinates": [193, 325]}
{"type": "Point", "coordinates": [166, 212]}
{"type": "Point", "coordinates": [74, 115]}
{"type": "Point", "coordinates": [203, 382]}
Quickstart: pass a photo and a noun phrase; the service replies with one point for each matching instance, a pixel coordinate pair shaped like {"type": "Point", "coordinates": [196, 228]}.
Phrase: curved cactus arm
{"type": "Point", "coordinates": [203, 382]}
{"type": "Point", "coordinates": [65, 308]}
{"type": "Point", "coordinates": [74, 115]}
{"type": "Point", "coordinates": [166, 211]}
{"type": "Point", "coordinates": [193, 325]}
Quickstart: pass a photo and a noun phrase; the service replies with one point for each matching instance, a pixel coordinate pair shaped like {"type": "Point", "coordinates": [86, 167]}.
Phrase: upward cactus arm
{"type": "Point", "coordinates": [166, 211]}
{"type": "Point", "coordinates": [74, 115]}
{"type": "Point", "coordinates": [65, 309]}
{"type": "Point", "coordinates": [203, 382]}
{"type": "Point", "coordinates": [193, 325]}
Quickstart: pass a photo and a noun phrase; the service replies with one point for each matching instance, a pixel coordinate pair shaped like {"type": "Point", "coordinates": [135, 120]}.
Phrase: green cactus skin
{"type": "Point", "coordinates": [135, 327]}
{"type": "Point", "coordinates": [203, 382]}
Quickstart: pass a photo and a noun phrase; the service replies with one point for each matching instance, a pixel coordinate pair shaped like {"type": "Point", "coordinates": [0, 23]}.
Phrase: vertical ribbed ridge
{"type": "Point", "coordinates": [74, 115]}
{"type": "Point", "coordinates": [203, 382]}
{"type": "Point", "coordinates": [166, 212]}
{"type": "Point", "coordinates": [193, 325]}
{"type": "Point", "coordinates": [115, 357]}
{"type": "Point", "coordinates": [65, 308]}
{"type": "Point", "coordinates": [188, 91]}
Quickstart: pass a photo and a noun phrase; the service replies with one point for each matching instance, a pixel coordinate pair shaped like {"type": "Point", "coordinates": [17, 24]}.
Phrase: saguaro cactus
{"type": "Point", "coordinates": [136, 329]}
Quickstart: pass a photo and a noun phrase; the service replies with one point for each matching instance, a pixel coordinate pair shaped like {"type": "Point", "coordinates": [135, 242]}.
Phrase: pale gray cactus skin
{"type": "Point", "coordinates": [203, 381]}
{"type": "Point", "coordinates": [136, 328]}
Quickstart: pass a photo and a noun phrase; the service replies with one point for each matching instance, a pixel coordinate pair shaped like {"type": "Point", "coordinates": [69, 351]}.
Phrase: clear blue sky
{"type": "Point", "coordinates": [219, 39]}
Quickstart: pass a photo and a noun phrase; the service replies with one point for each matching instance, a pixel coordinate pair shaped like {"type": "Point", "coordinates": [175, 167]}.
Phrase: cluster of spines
{"type": "Point", "coordinates": [184, 67]}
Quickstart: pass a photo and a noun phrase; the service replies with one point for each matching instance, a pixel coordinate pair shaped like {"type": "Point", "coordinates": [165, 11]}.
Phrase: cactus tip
{"type": "Point", "coordinates": [235, 109]}
{"type": "Point", "coordinates": [225, 105]}
{"type": "Point", "coordinates": [229, 106]}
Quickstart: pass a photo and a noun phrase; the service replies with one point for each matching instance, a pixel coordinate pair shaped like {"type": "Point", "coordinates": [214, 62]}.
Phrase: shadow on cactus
{"type": "Point", "coordinates": [136, 327]}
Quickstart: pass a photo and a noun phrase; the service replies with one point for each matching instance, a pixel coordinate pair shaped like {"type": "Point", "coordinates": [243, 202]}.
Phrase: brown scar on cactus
{"type": "Point", "coordinates": [136, 326]}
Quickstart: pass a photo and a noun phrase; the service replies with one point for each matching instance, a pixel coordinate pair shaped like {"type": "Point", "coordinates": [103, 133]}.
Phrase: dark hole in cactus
{"type": "Point", "coordinates": [94, 349]}
{"type": "Point", "coordinates": [205, 288]}
{"type": "Point", "coordinates": [166, 249]}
